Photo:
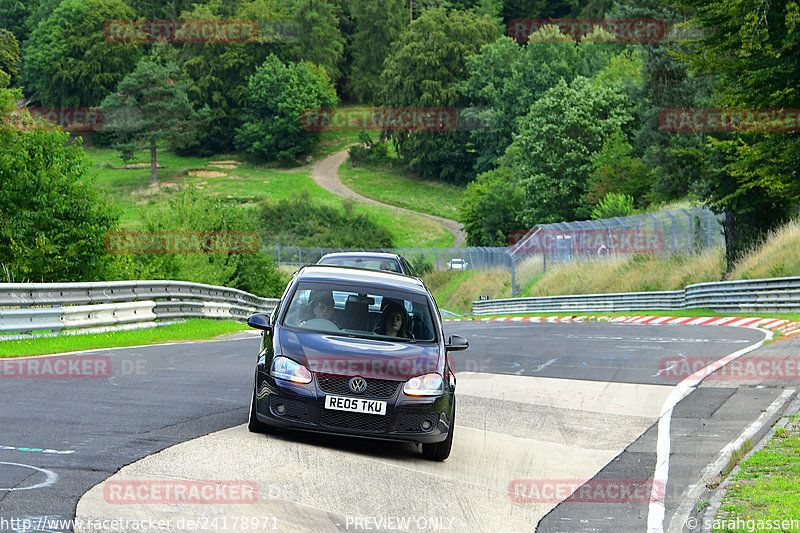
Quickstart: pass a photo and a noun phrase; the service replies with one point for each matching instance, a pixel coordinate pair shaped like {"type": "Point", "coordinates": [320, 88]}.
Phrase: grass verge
{"type": "Point", "coordinates": [191, 330]}
{"type": "Point", "coordinates": [393, 187]}
{"type": "Point", "coordinates": [766, 488]}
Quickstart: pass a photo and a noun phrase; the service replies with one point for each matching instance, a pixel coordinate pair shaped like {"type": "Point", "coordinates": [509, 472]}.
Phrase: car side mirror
{"type": "Point", "coordinates": [456, 343]}
{"type": "Point", "coordinates": [260, 321]}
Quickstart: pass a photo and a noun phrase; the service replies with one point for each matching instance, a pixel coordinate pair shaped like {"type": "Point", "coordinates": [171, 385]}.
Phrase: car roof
{"type": "Point", "coordinates": [376, 255]}
{"type": "Point", "coordinates": [362, 276]}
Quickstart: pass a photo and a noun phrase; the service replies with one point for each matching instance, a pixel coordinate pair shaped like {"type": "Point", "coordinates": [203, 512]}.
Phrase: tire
{"type": "Point", "coordinates": [254, 424]}
{"type": "Point", "coordinates": [439, 451]}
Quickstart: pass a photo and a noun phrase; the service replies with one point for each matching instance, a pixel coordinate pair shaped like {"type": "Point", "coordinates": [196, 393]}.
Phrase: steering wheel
{"type": "Point", "coordinates": [322, 324]}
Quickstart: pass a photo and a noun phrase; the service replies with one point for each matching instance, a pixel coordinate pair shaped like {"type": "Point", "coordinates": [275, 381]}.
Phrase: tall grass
{"type": "Point", "coordinates": [635, 273]}
{"type": "Point", "coordinates": [777, 257]}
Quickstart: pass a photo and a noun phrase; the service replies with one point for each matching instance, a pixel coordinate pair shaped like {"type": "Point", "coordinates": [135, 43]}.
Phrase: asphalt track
{"type": "Point", "coordinates": [539, 403]}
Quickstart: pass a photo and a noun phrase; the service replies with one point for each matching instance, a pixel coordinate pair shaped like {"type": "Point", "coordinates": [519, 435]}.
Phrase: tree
{"type": "Point", "coordinates": [68, 61]}
{"type": "Point", "coordinates": [52, 223]}
{"type": "Point", "coordinates": [319, 40]}
{"type": "Point", "coordinates": [505, 79]}
{"type": "Point", "coordinates": [219, 72]}
{"type": "Point", "coordinates": [12, 17]}
{"type": "Point", "coordinates": [277, 95]}
{"type": "Point", "coordinates": [491, 208]}
{"type": "Point", "coordinates": [552, 155]}
{"type": "Point", "coordinates": [752, 47]}
{"type": "Point", "coordinates": [615, 170]}
{"type": "Point", "coordinates": [425, 69]}
{"type": "Point", "coordinates": [378, 23]}
{"type": "Point", "coordinates": [9, 58]}
{"type": "Point", "coordinates": [150, 105]}
{"type": "Point", "coordinates": [613, 205]}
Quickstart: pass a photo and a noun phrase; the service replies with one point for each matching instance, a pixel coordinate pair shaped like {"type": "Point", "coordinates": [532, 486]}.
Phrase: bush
{"type": "Point", "coordinates": [297, 221]}
{"type": "Point", "coordinates": [193, 211]}
{"type": "Point", "coordinates": [52, 224]}
{"type": "Point", "coordinates": [277, 97]}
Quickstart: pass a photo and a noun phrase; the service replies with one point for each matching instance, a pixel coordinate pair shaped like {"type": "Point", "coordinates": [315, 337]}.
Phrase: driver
{"type": "Point", "coordinates": [322, 307]}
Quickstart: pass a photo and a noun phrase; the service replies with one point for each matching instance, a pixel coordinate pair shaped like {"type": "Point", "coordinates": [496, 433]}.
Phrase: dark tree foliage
{"type": "Point", "coordinates": [69, 63]}
{"type": "Point", "coordinates": [319, 39]}
{"type": "Point", "coordinates": [13, 14]}
{"type": "Point", "coordinates": [752, 47]}
{"type": "Point", "coordinates": [377, 25]}
{"type": "Point", "coordinates": [492, 208]}
{"type": "Point", "coordinates": [425, 69]}
{"type": "Point", "coordinates": [52, 223]}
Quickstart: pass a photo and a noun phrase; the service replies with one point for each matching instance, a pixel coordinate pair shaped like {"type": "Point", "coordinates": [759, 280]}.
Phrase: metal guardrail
{"type": "Point", "coordinates": [57, 307]}
{"type": "Point", "coordinates": [780, 295]}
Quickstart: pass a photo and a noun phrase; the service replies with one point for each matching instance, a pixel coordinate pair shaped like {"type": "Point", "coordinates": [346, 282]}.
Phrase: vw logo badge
{"type": "Point", "coordinates": [357, 385]}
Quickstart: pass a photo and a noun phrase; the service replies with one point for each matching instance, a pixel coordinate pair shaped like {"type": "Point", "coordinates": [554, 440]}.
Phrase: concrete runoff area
{"type": "Point", "coordinates": [562, 430]}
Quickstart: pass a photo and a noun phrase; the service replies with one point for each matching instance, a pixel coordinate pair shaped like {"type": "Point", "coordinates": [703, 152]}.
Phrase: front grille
{"type": "Point", "coordinates": [358, 421]}
{"type": "Point", "coordinates": [295, 409]}
{"type": "Point", "coordinates": [376, 388]}
{"type": "Point", "coordinates": [411, 422]}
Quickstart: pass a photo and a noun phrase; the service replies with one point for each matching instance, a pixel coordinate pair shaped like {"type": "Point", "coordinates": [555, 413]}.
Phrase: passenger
{"type": "Point", "coordinates": [394, 321]}
{"type": "Point", "coordinates": [321, 307]}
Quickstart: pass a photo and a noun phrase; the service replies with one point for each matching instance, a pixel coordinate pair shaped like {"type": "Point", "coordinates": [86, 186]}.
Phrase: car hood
{"type": "Point", "coordinates": [326, 353]}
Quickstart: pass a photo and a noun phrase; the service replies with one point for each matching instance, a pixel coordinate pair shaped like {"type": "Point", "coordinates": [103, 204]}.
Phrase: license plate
{"type": "Point", "coordinates": [355, 405]}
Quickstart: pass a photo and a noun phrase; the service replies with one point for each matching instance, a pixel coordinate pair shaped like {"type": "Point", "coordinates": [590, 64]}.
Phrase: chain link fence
{"type": "Point", "coordinates": [664, 232]}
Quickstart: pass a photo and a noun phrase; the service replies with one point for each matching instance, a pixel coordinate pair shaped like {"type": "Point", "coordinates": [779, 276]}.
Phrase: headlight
{"type": "Point", "coordinates": [427, 385]}
{"type": "Point", "coordinates": [285, 368]}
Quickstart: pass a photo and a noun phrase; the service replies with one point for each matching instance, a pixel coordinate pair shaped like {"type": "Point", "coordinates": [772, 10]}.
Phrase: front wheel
{"type": "Point", "coordinates": [439, 451]}
{"type": "Point", "coordinates": [254, 424]}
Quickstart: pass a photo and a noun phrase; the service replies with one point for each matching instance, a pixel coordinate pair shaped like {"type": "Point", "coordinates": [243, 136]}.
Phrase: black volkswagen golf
{"type": "Point", "coordinates": [356, 352]}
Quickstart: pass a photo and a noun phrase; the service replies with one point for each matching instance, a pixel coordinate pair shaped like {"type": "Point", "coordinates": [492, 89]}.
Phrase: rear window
{"type": "Point", "coordinates": [390, 265]}
{"type": "Point", "coordinates": [362, 312]}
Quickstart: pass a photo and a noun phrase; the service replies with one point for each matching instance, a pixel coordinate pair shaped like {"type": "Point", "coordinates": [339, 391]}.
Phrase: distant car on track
{"type": "Point", "coordinates": [373, 260]}
{"type": "Point", "coordinates": [326, 367]}
{"type": "Point", "coordinates": [457, 264]}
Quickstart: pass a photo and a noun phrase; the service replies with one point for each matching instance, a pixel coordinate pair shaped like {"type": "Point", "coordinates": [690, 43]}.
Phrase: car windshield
{"type": "Point", "coordinates": [390, 265]}
{"type": "Point", "coordinates": [362, 312]}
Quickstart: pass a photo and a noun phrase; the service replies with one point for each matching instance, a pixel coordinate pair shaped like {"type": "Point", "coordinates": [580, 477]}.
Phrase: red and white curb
{"type": "Point", "coordinates": [787, 328]}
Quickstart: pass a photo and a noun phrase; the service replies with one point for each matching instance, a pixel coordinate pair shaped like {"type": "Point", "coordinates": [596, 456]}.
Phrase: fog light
{"type": "Point", "coordinates": [426, 425]}
{"type": "Point", "coordinates": [280, 409]}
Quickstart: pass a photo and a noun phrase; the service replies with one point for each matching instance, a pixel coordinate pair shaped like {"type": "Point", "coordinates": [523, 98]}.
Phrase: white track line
{"type": "Point", "coordinates": [656, 509]}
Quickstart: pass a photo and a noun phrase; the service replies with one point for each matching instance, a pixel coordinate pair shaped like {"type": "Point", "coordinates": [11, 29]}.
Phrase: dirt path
{"type": "Point", "coordinates": [326, 175]}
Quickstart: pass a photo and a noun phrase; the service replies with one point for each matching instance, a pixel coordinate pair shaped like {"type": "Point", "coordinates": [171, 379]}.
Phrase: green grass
{"type": "Point", "coordinates": [394, 187]}
{"type": "Point", "coordinates": [767, 486]}
{"type": "Point", "coordinates": [245, 184]}
{"type": "Point", "coordinates": [191, 330]}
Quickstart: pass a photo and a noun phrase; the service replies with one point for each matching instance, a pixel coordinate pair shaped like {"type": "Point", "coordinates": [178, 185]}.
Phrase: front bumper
{"type": "Point", "coordinates": [304, 409]}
